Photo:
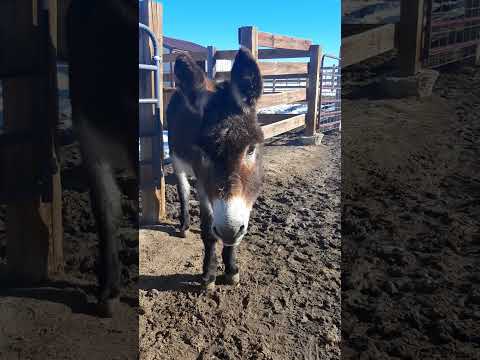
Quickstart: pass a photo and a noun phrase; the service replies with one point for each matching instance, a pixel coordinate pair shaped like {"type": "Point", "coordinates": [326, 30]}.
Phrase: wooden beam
{"type": "Point", "coordinates": [282, 41]}
{"type": "Point", "coordinates": [222, 75]}
{"type": "Point", "coordinates": [225, 54]}
{"type": "Point", "coordinates": [313, 93]}
{"type": "Point", "coordinates": [287, 76]}
{"type": "Point", "coordinates": [248, 37]}
{"type": "Point", "coordinates": [283, 126]}
{"type": "Point", "coordinates": [365, 45]}
{"type": "Point", "coordinates": [282, 53]}
{"type": "Point", "coordinates": [211, 62]}
{"type": "Point", "coordinates": [410, 36]}
{"type": "Point", "coordinates": [283, 68]}
{"type": "Point", "coordinates": [266, 119]}
{"type": "Point", "coordinates": [285, 97]}
{"type": "Point", "coordinates": [265, 54]}
{"type": "Point", "coordinates": [196, 55]}
{"type": "Point", "coordinates": [34, 222]}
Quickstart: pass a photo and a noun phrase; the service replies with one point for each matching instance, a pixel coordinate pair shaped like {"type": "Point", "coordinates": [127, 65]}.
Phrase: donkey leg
{"type": "Point", "coordinates": [229, 256]}
{"type": "Point", "coordinates": [183, 189]}
{"type": "Point", "coordinates": [105, 197]}
{"type": "Point", "coordinates": [106, 205]}
{"type": "Point", "coordinates": [209, 242]}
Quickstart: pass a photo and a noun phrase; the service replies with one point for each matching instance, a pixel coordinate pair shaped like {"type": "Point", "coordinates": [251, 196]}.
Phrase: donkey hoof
{"type": "Point", "coordinates": [183, 233]}
{"type": "Point", "coordinates": [209, 286]}
{"type": "Point", "coordinates": [232, 279]}
{"type": "Point", "coordinates": [106, 308]}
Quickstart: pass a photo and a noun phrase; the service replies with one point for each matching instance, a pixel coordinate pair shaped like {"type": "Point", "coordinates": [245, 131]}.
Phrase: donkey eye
{"type": "Point", "coordinates": [251, 150]}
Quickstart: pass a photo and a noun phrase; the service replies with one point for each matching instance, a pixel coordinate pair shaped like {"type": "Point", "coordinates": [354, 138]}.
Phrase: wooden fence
{"type": "Point", "coordinates": [29, 170]}
{"type": "Point", "coordinates": [279, 47]}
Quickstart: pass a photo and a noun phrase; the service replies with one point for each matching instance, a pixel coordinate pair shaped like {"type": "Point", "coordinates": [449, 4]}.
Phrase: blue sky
{"type": "Point", "coordinates": [215, 22]}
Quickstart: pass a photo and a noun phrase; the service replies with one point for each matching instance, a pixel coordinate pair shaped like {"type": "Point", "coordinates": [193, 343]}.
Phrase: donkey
{"type": "Point", "coordinates": [214, 136]}
{"type": "Point", "coordinates": [104, 96]}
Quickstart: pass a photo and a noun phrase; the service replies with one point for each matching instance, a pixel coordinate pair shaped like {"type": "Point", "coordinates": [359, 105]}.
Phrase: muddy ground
{"type": "Point", "coordinates": [58, 320]}
{"type": "Point", "coordinates": [410, 231]}
{"type": "Point", "coordinates": [288, 303]}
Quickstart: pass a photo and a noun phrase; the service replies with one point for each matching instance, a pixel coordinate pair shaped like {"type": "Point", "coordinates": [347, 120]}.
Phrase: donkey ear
{"type": "Point", "coordinates": [189, 76]}
{"type": "Point", "coordinates": [246, 78]}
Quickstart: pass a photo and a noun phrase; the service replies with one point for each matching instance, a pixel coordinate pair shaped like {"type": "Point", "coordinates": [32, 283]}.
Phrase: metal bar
{"type": "Point", "coordinates": [148, 101]}
{"type": "Point", "coordinates": [147, 67]}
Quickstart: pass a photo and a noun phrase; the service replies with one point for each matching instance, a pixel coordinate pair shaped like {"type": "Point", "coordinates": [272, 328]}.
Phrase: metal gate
{"type": "Point", "coordinates": [329, 112]}
{"type": "Point", "coordinates": [157, 134]}
{"type": "Point", "coordinates": [452, 31]}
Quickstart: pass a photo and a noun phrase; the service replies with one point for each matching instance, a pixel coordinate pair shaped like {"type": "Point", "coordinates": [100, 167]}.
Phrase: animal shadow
{"type": "Point", "coordinates": [174, 282]}
{"type": "Point", "coordinates": [170, 229]}
{"type": "Point", "coordinates": [76, 297]}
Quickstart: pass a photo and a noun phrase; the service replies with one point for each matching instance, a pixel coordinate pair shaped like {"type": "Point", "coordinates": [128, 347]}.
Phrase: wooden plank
{"type": "Point", "coordinates": [264, 54]}
{"type": "Point", "coordinates": [282, 41]}
{"type": "Point", "coordinates": [287, 76]}
{"type": "Point", "coordinates": [225, 54]}
{"type": "Point", "coordinates": [365, 45]}
{"type": "Point", "coordinates": [34, 223]}
{"type": "Point", "coordinates": [285, 97]}
{"type": "Point", "coordinates": [248, 37]}
{"type": "Point", "coordinates": [313, 92]}
{"type": "Point", "coordinates": [410, 36]}
{"type": "Point", "coordinates": [283, 126]}
{"type": "Point", "coordinates": [197, 56]}
{"type": "Point", "coordinates": [265, 119]}
{"type": "Point", "coordinates": [222, 75]}
{"type": "Point", "coordinates": [283, 68]}
{"type": "Point", "coordinates": [282, 53]}
{"type": "Point", "coordinates": [211, 62]}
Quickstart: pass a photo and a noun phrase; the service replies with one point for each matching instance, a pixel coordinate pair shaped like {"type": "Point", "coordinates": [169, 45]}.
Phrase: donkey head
{"type": "Point", "coordinates": [229, 147]}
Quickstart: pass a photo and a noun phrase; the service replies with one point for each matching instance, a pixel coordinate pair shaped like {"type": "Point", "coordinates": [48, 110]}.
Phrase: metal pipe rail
{"type": "Point", "coordinates": [157, 134]}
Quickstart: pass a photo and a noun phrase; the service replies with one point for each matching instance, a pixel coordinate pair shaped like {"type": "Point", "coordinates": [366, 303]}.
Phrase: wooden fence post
{"type": "Point", "coordinates": [248, 37]}
{"type": "Point", "coordinates": [34, 219]}
{"type": "Point", "coordinates": [153, 208]}
{"type": "Point", "coordinates": [410, 36]}
{"type": "Point", "coordinates": [211, 62]}
{"type": "Point", "coordinates": [313, 92]}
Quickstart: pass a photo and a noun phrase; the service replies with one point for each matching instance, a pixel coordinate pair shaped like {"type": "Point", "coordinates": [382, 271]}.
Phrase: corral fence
{"type": "Point", "coordinates": [430, 33]}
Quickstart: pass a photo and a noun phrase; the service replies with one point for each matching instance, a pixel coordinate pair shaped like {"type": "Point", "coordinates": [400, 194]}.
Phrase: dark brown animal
{"type": "Point", "coordinates": [103, 62]}
{"type": "Point", "coordinates": [214, 136]}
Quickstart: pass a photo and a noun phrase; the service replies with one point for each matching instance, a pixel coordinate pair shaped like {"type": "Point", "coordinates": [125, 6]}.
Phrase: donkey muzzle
{"type": "Point", "coordinates": [230, 220]}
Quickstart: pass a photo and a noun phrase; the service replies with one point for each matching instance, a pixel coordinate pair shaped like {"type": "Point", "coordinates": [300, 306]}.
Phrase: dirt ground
{"type": "Point", "coordinates": [288, 303]}
{"type": "Point", "coordinates": [410, 231]}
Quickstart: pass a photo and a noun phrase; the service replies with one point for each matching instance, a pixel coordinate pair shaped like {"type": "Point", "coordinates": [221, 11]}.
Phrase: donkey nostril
{"type": "Point", "coordinates": [240, 231]}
